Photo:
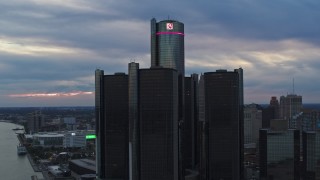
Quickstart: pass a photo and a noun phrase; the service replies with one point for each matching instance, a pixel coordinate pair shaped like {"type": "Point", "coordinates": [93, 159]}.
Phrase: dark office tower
{"type": "Point", "coordinates": [189, 129]}
{"type": "Point", "coordinates": [203, 149]}
{"type": "Point", "coordinates": [241, 98]}
{"type": "Point", "coordinates": [222, 113]}
{"type": "Point", "coordinates": [116, 126]}
{"type": "Point", "coordinates": [279, 154]}
{"type": "Point", "coordinates": [241, 120]}
{"type": "Point", "coordinates": [158, 112]}
{"type": "Point", "coordinates": [202, 132]}
{"type": "Point", "coordinates": [133, 122]}
{"type": "Point", "coordinates": [100, 124]}
{"type": "Point", "coordinates": [311, 155]}
{"type": "Point", "coordinates": [167, 50]}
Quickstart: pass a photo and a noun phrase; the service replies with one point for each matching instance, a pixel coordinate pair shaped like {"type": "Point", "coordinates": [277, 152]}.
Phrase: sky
{"type": "Point", "coordinates": [50, 49]}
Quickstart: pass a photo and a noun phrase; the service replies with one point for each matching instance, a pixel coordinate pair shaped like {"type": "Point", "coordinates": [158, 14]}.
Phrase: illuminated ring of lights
{"type": "Point", "coordinates": [176, 33]}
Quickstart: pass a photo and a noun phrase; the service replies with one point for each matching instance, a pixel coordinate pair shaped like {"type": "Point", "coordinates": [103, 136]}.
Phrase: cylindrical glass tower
{"type": "Point", "coordinates": [167, 44]}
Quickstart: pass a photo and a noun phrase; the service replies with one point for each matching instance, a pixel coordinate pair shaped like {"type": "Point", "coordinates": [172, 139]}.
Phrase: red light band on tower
{"type": "Point", "coordinates": [176, 33]}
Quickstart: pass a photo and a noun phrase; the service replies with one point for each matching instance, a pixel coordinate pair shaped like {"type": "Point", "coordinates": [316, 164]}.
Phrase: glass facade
{"type": "Point", "coordinates": [116, 126]}
{"type": "Point", "coordinates": [167, 51]}
{"type": "Point", "coordinates": [222, 113]}
{"type": "Point", "coordinates": [279, 154]}
{"type": "Point", "coordinates": [290, 105]}
{"type": "Point", "coordinates": [311, 154]}
{"type": "Point", "coordinates": [167, 44]}
{"type": "Point", "coordinates": [158, 114]}
{"type": "Point", "coordinates": [100, 122]}
{"type": "Point", "coordinates": [133, 70]}
{"type": "Point", "coordinates": [189, 129]}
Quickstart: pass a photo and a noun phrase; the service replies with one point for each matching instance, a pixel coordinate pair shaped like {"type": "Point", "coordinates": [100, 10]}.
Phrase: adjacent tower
{"type": "Point", "coordinates": [100, 124]}
{"type": "Point", "coordinates": [158, 123]}
{"type": "Point", "coordinates": [112, 125]}
{"type": "Point", "coordinates": [221, 107]}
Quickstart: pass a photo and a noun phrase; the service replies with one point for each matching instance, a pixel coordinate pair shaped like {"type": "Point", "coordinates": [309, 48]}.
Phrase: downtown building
{"type": "Point", "coordinates": [139, 137]}
{"type": "Point", "coordinates": [252, 123]}
{"type": "Point", "coordinates": [311, 155]}
{"type": "Point", "coordinates": [112, 126]}
{"type": "Point", "coordinates": [138, 114]}
{"type": "Point", "coordinates": [158, 119]}
{"type": "Point", "coordinates": [190, 153]}
{"type": "Point", "coordinates": [167, 51]}
{"type": "Point", "coordinates": [148, 122]}
{"type": "Point", "coordinates": [290, 106]}
{"type": "Point", "coordinates": [221, 114]}
{"type": "Point", "coordinates": [270, 112]}
{"type": "Point", "coordinates": [35, 122]}
{"type": "Point", "coordinates": [279, 150]}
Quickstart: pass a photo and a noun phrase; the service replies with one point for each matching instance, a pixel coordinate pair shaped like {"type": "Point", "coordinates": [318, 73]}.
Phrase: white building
{"type": "Point", "coordinates": [74, 139]}
{"type": "Point", "coordinates": [48, 139]}
{"type": "Point", "coordinates": [61, 138]}
{"type": "Point", "coordinates": [252, 123]}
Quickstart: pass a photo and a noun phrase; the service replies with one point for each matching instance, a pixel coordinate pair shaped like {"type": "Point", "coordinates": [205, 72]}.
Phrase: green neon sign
{"type": "Point", "coordinates": [91, 136]}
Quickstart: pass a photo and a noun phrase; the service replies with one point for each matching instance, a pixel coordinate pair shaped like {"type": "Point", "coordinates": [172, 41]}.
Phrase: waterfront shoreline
{"type": "Point", "coordinates": [31, 161]}
{"type": "Point", "coordinates": [14, 166]}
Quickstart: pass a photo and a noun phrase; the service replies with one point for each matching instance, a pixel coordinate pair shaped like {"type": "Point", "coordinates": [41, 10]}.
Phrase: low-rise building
{"type": "Point", "coordinates": [48, 139]}
{"type": "Point", "coordinates": [311, 154]}
{"type": "Point", "coordinates": [83, 166]}
{"type": "Point", "coordinates": [74, 139]}
{"type": "Point", "coordinates": [279, 154]}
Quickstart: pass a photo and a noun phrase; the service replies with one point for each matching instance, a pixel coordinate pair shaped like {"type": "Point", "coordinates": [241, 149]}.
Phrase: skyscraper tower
{"type": "Point", "coordinates": [167, 44]}
{"type": "Point", "coordinates": [290, 105]}
{"type": "Point", "coordinates": [112, 125]}
{"type": "Point", "coordinates": [167, 51]}
{"type": "Point", "coordinates": [116, 125]}
{"type": "Point", "coordinates": [158, 112]}
{"type": "Point", "coordinates": [222, 106]}
{"type": "Point", "coordinates": [189, 138]}
{"type": "Point", "coordinates": [134, 138]}
{"type": "Point", "coordinates": [100, 124]}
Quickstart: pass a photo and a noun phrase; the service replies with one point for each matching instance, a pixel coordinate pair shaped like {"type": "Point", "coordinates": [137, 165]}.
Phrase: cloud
{"type": "Point", "coordinates": [54, 46]}
{"type": "Point", "coordinates": [50, 94]}
{"type": "Point", "coordinates": [38, 47]}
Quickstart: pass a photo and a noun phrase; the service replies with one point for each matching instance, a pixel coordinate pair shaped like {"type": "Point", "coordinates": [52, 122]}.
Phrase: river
{"type": "Point", "coordinates": [12, 166]}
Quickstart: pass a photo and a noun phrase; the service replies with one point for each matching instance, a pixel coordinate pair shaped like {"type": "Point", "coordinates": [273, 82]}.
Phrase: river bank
{"type": "Point", "coordinates": [13, 167]}
{"type": "Point", "coordinates": [32, 163]}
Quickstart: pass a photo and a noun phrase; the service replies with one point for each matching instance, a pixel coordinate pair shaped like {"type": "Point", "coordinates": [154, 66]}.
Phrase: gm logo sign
{"type": "Point", "coordinates": [169, 26]}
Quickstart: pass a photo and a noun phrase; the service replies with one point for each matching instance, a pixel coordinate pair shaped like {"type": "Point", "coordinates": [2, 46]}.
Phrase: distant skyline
{"type": "Point", "coordinates": [50, 49]}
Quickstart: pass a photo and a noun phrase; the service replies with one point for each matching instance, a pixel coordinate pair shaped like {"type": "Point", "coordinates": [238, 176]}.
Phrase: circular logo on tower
{"type": "Point", "coordinates": [169, 26]}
